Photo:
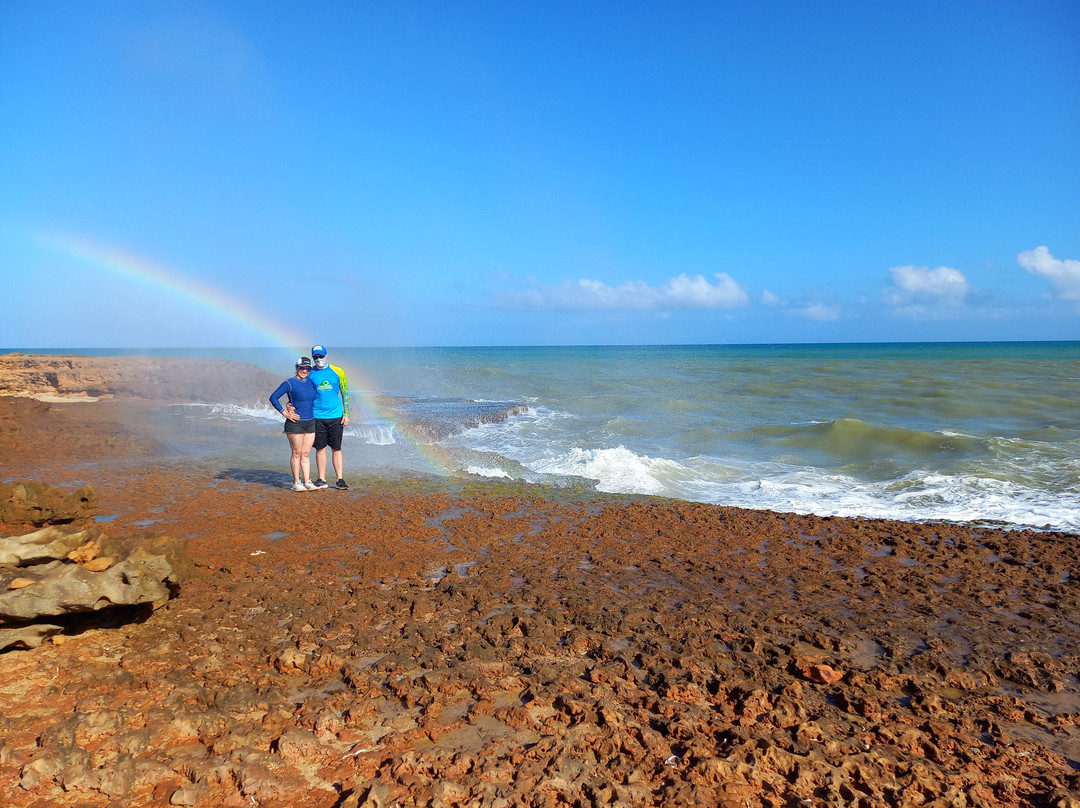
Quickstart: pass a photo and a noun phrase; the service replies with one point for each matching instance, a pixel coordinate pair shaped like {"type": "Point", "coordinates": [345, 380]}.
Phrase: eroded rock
{"type": "Point", "coordinates": [65, 588]}
{"type": "Point", "coordinates": [48, 544]}
{"type": "Point", "coordinates": [57, 572]}
{"type": "Point", "coordinates": [38, 504]}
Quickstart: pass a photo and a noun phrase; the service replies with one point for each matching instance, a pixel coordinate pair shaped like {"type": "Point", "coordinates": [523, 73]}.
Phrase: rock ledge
{"type": "Point", "coordinates": [50, 576]}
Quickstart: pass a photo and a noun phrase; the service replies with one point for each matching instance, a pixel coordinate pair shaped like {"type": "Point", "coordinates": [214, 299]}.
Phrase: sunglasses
{"type": "Point", "coordinates": [305, 370]}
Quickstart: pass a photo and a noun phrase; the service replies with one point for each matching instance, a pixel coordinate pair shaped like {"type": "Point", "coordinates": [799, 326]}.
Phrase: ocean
{"type": "Point", "coordinates": [984, 433]}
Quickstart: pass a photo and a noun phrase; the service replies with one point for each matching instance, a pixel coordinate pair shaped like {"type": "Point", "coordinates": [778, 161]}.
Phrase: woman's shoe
{"type": "Point", "coordinates": [299, 486]}
{"type": "Point", "coordinates": [310, 486]}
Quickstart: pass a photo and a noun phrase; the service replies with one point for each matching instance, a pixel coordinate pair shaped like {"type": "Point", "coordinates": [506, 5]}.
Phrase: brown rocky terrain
{"type": "Point", "coordinates": [443, 643]}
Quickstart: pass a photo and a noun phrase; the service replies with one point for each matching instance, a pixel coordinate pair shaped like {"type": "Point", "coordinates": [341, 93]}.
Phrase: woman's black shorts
{"type": "Point", "coordinates": [299, 427]}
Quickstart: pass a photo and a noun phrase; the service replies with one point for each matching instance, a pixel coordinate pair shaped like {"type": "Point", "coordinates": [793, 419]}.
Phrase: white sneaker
{"type": "Point", "coordinates": [310, 486]}
{"type": "Point", "coordinates": [299, 487]}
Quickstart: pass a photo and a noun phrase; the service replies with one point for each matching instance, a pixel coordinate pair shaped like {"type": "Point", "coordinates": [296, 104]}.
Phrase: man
{"type": "Point", "coordinates": [331, 411]}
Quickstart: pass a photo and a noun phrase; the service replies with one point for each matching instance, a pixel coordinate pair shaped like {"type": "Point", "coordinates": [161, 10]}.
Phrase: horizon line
{"type": "Point", "coordinates": [37, 349]}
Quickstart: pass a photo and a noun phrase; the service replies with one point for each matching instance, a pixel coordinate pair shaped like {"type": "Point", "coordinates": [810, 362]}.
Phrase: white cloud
{"type": "Point", "coordinates": [1064, 276]}
{"type": "Point", "coordinates": [770, 299]}
{"type": "Point", "coordinates": [818, 311]}
{"type": "Point", "coordinates": [912, 284]}
{"type": "Point", "coordinates": [682, 292]}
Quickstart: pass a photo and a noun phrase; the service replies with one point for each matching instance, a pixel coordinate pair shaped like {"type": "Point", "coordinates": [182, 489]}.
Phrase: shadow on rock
{"type": "Point", "coordinates": [275, 479]}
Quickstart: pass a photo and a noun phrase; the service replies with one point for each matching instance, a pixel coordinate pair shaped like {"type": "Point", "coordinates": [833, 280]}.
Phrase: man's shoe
{"type": "Point", "coordinates": [310, 486]}
{"type": "Point", "coordinates": [321, 483]}
{"type": "Point", "coordinates": [299, 487]}
{"type": "Point", "coordinates": [341, 484]}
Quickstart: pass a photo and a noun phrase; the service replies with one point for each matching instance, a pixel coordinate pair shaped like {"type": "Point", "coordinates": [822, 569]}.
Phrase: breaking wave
{"type": "Point", "coordinates": [850, 439]}
{"type": "Point", "coordinates": [915, 496]}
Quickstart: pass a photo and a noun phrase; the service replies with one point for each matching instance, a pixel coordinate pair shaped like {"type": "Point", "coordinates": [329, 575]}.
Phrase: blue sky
{"type": "Point", "coordinates": [494, 173]}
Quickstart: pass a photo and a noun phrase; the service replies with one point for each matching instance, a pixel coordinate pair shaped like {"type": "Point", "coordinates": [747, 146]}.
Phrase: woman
{"type": "Point", "coordinates": [299, 422]}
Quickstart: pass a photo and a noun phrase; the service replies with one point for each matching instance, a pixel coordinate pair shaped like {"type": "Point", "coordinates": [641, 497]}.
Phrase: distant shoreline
{"type": "Point", "coordinates": [78, 377]}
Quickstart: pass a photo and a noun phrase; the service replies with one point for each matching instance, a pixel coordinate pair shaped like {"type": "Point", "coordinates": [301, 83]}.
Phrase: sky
{"type": "Point", "coordinates": [263, 173]}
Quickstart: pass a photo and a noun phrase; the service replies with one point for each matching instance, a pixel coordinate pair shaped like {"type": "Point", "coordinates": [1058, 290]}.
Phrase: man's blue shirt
{"type": "Point", "coordinates": [332, 398]}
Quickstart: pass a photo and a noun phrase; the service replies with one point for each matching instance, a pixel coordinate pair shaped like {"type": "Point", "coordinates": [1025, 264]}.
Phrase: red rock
{"type": "Point", "coordinates": [99, 564]}
{"type": "Point", "coordinates": [86, 552]}
{"type": "Point", "coordinates": [823, 674]}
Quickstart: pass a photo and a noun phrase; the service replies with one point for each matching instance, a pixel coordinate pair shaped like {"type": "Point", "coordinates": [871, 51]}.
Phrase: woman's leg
{"type": "Point", "coordinates": [305, 454]}
{"type": "Point", "coordinates": [296, 443]}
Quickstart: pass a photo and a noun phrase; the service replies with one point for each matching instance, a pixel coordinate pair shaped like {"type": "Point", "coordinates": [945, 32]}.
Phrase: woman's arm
{"type": "Point", "coordinates": [282, 389]}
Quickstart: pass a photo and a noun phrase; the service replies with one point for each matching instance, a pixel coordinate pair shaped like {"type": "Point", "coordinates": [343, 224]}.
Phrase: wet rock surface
{"type": "Point", "coordinates": [448, 644]}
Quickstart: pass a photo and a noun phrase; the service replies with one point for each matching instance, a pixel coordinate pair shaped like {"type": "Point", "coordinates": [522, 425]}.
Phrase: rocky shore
{"type": "Point", "coordinates": [454, 644]}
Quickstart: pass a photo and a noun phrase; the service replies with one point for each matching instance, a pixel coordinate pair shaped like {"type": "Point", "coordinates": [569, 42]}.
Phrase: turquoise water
{"type": "Point", "coordinates": [980, 432]}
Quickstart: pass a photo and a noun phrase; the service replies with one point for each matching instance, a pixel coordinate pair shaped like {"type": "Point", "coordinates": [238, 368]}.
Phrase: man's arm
{"type": "Point", "coordinates": [343, 383]}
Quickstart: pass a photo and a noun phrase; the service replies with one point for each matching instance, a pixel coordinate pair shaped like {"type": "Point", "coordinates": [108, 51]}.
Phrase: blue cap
{"type": "Point", "coordinates": [318, 350]}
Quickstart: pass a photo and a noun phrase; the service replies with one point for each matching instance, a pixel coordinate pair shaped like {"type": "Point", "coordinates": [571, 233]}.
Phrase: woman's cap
{"type": "Point", "coordinates": [303, 362]}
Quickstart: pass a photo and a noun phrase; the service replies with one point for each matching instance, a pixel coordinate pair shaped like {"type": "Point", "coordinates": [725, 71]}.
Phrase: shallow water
{"type": "Point", "coordinates": [972, 432]}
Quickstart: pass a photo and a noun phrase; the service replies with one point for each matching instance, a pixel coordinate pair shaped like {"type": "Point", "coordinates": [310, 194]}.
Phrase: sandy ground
{"type": "Point", "coordinates": [444, 643]}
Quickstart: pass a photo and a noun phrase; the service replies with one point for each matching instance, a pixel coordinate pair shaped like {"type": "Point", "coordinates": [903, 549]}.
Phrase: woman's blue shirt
{"type": "Point", "coordinates": [301, 395]}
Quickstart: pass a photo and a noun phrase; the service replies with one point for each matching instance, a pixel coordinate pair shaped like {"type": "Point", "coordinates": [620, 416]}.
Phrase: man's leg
{"type": "Point", "coordinates": [334, 434]}
{"type": "Point", "coordinates": [321, 441]}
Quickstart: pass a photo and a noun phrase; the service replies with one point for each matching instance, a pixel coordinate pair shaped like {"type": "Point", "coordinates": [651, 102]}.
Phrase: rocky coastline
{"type": "Point", "coordinates": [444, 643]}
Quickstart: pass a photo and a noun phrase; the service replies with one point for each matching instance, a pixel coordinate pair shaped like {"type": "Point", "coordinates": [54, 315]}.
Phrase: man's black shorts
{"type": "Point", "coordinates": [299, 427]}
{"type": "Point", "coordinates": [328, 432]}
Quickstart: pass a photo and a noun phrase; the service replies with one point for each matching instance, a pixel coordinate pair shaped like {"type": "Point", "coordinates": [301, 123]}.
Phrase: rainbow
{"type": "Point", "coordinates": [138, 269]}
{"type": "Point", "coordinates": [149, 273]}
